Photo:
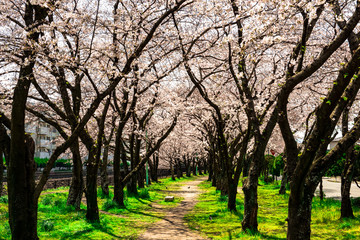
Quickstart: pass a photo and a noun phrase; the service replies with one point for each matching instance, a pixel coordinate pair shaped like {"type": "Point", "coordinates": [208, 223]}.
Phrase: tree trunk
{"type": "Point", "coordinates": [92, 211]}
{"type": "Point", "coordinates": [284, 182]}
{"type": "Point", "coordinates": [232, 197]}
{"type": "Point", "coordinates": [199, 168]}
{"type": "Point", "coordinates": [119, 196]}
{"type": "Point", "coordinates": [23, 204]}
{"type": "Point", "coordinates": [321, 190]}
{"type": "Point", "coordinates": [77, 181]}
{"type": "Point", "coordinates": [205, 166]}
{"type": "Point", "coordinates": [250, 204]}
{"type": "Point", "coordinates": [346, 179]}
{"type": "Point", "coordinates": [187, 166]}
{"type": "Point", "coordinates": [141, 177]}
{"type": "Point", "coordinates": [172, 170]}
{"type": "Point", "coordinates": [178, 168]}
{"type": "Point", "coordinates": [132, 186]}
{"type": "Point", "coordinates": [1, 171]}
{"type": "Point", "coordinates": [21, 169]}
{"type": "Point", "coordinates": [299, 215]}
{"type": "Point", "coordinates": [104, 172]}
{"type": "Point", "coordinates": [194, 167]}
{"type": "Point", "coordinates": [223, 185]}
{"type": "Point", "coordinates": [346, 207]}
{"type": "Point", "coordinates": [154, 168]}
{"type": "Point", "coordinates": [214, 173]}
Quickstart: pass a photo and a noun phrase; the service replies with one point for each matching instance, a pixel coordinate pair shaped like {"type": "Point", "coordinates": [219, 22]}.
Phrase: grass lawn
{"type": "Point", "coordinates": [211, 217]}
{"type": "Point", "coordinates": [58, 221]}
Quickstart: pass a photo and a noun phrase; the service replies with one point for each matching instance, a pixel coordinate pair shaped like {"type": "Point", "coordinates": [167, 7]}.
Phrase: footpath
{"type": "Point", "coordinates": [173, 225]}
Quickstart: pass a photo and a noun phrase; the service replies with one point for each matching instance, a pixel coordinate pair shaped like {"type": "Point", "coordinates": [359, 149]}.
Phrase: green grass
{"type": "Point", "coordinates": [56, 220]}
{"type": "Point", "coordinates": [211, 217]}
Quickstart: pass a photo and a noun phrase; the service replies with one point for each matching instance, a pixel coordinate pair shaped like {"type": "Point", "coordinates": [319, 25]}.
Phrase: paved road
{"type": "Point", "coordinates": [331, 188]}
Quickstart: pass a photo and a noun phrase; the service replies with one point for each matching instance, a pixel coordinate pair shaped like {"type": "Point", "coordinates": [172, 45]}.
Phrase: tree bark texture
{"type": "Point", "coordinates": [232, 197]}
{"type": "Point", "coordinates": [249, 221]}
{"type": "Point", "coordinates": [77, 182]}
{"type": "Point", "coordinates": [92, 211]}
{"type": "Point", "coordinates": [299, 215]}
{"type": "Point", "coordinates": [154, 166]}
{"type": "Point", "coordinates": [141, 177]}
{"type": "Point", "coordinates": [104, 172]}
{"type": "Point", "coordinates": [1, 172]}
{"type": "Point", "coordinates": [346, 179]}
{"type": "Point", "coordinates": [21, 169]}
{"type": "Point", "coordinates": [284, 181]}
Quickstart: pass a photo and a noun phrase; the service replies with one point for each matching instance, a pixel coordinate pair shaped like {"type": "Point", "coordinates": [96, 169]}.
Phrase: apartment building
{"type": "Point", "coordinates": [44, 136]}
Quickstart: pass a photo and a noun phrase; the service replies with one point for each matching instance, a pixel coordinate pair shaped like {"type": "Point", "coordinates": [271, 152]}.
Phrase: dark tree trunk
{"type": "Point", "coordinates": [210, 168]}
{"type": "Point", "coordinates": [77, 182]}
{"type": "Point", "coordinates": [299, 215]}
{"type": "Point", "coordinates": [141, 177]}
{"type": "Point", "coordinates": [104, 172]}
{"type": "Point", "coordinates": [284, 181]}
{"type": "Point", "coordinates": [250, 204]}
{"type": "Point", "coordinates": [223, 185]}
{"type": "Point", "coordinates": [179, 173]}
{"type": "Point", "coordinates": [21, 182]}
{"type": "Point", "coordinates": [194, 166]}
{"type": "Point", "coordinates": [321, 190]}
{"type": "Point", "coordinates": [154, 165]}
{"type": "Point", "coordinates": [1, 171]}
{"type": "Point", "coordinates": [92, 211]}
{"type": "Point", "coordinates": [250, 188]}
{"type": "Point", "coordinates": [4, 153]}
{"type": "Point", "coordinates": [232, 197]}
{"type": "Point", "coordinates": [120, 196]}
{"type": "Point", "coordinates": [119, 185]}
{"type": "Point", "coordinates": [347, 173]}
{"type": "Point", "coordinates": [215, 172]}
{"type": "Point", "coordinates": [23, 205]}
{"type": "Point", "coordinates": [205, 165]}
{"type": "Point", "coordinates": [172, 170]}
{"type": "Point", "coordinates": [132, 186]}
{"type": "Point", "coordinates": [187, 166]}
{"type": "Point", "coordinates": [346, 179]}
{"type": "Point", "coordinates": [21, 169]}
{"type": "Point", "coordinates": [119, 154]}
{"type": "Point", "coordinates": [346, 207]}
{"type": "Point", "coordinates": [199, 167]}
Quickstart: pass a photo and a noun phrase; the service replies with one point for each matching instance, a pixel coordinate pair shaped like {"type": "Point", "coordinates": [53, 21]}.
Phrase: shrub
{"type": "Point", "coordinates": [223, 198]}
{"type": "Point", "coordinates": [101, 194]}
{"type": "Point", "coordinates": [345, 225]}
{"type": "Point", "coordinates": [4, 199]}
{"type": "Point", "coordinates": [109, 204]}
{"type": "Point", "coordinates": [46, 200]}
{"type": "Point", "coordinates": [144, 193]}
{"type": "Point", "coordinates": [47, 225]}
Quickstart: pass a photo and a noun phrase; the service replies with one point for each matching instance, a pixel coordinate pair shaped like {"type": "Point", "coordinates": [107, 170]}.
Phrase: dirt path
{"type": "Point", "coordinates": [173, 225]}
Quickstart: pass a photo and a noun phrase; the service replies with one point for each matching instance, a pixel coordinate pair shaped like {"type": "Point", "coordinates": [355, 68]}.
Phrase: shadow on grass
{"type": "Point", "coordinates": [95, 226]}
{"type": "Point", "coordinates": [253, 234]}
{"type": "Point", "coordinates": [146, 214]}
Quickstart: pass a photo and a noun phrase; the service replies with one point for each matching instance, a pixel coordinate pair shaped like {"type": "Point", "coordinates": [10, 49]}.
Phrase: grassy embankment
{"type": "Point", "coordinates": [211, 217]}
{"type": "Point", "coordinates": [58, 221]}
